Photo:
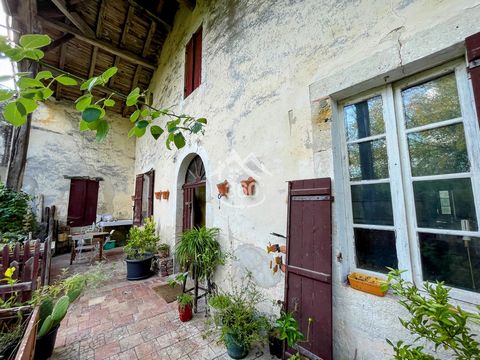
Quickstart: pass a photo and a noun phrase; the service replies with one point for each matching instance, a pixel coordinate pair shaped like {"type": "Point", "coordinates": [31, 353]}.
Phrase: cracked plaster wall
{"type": "Point", "coordinates": [58, 148]}
{"type": "Point", "coordinates": [265, 65]}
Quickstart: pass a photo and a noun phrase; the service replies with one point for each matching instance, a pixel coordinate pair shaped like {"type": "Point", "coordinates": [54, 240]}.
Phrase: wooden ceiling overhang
{"type": "Point", "coordinates": [89, 36]}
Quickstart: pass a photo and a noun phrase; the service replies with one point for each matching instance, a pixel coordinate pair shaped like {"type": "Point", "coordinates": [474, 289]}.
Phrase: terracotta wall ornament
{"type": "Point", "coordinates": [158, 195]}
{"type": "Point", "coordinates": [248, 186]}
{"type": "Point", "coordinates": [223, 189]}
{"type": "Point", "coordinates": [166, 195]}
{"type": "Point", "coordinates": [278, 259]}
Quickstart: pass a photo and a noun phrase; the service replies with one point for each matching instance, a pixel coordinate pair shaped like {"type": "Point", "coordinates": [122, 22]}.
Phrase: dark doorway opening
{"type": "Point", "coordinates": [82, 203]}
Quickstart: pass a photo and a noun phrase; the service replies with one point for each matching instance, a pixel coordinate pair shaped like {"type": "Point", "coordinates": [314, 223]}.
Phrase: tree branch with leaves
{"type": "Point", "coordinates": [33, 88]}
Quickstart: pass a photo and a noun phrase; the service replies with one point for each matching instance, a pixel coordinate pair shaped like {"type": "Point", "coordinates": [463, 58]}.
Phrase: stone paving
{"type": "Point", "coordinates": [127, 320]}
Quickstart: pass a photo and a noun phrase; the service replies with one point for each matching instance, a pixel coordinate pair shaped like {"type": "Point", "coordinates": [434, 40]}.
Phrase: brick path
{"type": "Point", "coordinates": [128, 320]}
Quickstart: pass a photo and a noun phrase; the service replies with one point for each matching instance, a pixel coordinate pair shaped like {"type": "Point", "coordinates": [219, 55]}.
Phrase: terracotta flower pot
{"type": "Point", "coordinates": [185, 312]}
{"type": "Point", "coordinates": [223, 188]}
{"type": "Point", "coordinates": [248, 186]}
{"type": "Point", "coordinates": [166, 195]}
{"type": "Point", "coordinates": [158, 195]}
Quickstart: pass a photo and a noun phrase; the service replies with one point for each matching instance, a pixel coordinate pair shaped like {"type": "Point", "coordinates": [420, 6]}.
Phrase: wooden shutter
{"type": "Point", "coordinates": [137, 205]}
{"type": "Point", "coordinates": [308, 281]}
{"type": "Point", "coordinates": [472, 44]}
{"type": "Point", "coordinates": [188, 68]}
{"type": "Point", "coordinates": [76, 201]}
{"type": "Point", "coordinates": [91, 200]}
{"type": "Point", "coordinates": [151, 188]}
{"type": "Point", "coordinates": [188, 197]}
{"type": "Point", "coordinates": [197, 68]}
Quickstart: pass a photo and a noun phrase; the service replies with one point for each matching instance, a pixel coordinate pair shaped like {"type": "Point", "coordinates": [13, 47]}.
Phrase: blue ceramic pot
{"type": "Point", "coordinates": [235, 349]}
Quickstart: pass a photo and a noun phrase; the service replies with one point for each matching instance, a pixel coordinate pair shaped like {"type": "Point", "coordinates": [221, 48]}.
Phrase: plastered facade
{"type": "Point", "coordinates": [57, 148]}
{"type": "Point", "coordinates": [270, 71]}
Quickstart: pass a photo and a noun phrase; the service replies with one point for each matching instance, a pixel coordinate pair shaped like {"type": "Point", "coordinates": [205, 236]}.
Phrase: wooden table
{"type": "Point", "coordinates": [91, 235]}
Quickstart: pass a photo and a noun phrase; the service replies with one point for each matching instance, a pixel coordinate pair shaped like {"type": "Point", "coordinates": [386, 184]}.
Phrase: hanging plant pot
{"type": "Point", "coordinates": [158, 195]}
{"type": "Point", "coordinates": [223, 189]}
{"type": "Point", "coordinates": [139, 269]}
{"type": "Point", "coordinates": [366, 283]}
{"type": "Point", "coordinates": [235, 349]}
{"type": "Point", "coordinates": [185, 312]}
{"type": "Point", "coordinates": [166, 195]}
{"type": "Point", "coordinates": [248, 186]}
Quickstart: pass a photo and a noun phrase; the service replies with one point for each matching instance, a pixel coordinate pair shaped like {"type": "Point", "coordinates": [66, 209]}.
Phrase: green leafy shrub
{"type": "Point", "coordinates": [435, 319]}
{"type": "Point", "coordinates": [16, 218]}
{"type": "Point", "coordinates": [184, 300]}
{"type": "Point", "coordinates": [286, 328]}
{"type": "Point", "coordinates": [142, 240]}
{"type": "Point", "coordinates": [200, 248]}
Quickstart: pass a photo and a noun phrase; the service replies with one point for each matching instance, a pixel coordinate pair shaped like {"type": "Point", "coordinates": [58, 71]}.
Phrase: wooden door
{"type": "Point", "coordinates": [308, 284]}
{"type": "Point", "coordinates": [82, 203]}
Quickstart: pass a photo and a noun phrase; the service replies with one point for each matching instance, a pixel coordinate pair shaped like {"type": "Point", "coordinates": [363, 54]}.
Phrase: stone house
{"type": "Point", "coordinates": [374, 95]}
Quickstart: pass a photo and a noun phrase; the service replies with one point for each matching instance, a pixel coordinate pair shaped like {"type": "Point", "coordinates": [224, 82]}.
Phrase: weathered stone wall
{"type": "Point", "coordinates": [267, 65]}
{"type": "Point", "coordinates": [58, 148]}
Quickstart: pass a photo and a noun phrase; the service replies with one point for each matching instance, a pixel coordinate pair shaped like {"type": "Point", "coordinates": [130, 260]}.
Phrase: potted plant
{"type": "Point", "coordinates": [366, 283]}
{"type": "Point", "coordinates": [140, 249]}
{"type": "Point", "coordinates": [185, 302]}
{"type": "Point", "coordinates": [284, 330]}
{"type": "Point", "coordinates": [163, 251]}
{"type": "Point", "coordinates": [237, 320]}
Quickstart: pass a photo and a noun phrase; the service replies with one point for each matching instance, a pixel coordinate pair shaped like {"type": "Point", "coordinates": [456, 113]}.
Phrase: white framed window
{"type": "Point", "coordinates": [411, 159]}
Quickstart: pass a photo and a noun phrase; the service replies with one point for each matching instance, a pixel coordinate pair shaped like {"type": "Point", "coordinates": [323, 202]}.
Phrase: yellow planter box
{"type": "Point", "coordinates": [366, 283]}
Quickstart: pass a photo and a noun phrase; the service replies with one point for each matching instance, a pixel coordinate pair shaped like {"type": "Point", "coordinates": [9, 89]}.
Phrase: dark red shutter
{"type": "Point", "coordinates": [151, 175]}
{"type": "Point", "coordinates": [188, 194]}
{"type": "Point", "coordinates": [76, 201]}
{"type": "Point", "coordinates": [189, 68]}
{"type": "Point", "coordinates": [308, 282]}
{"type": "Point", "coordinates": [137, 205]}
{"type": "Point", "coordinates": [91, 201]}
{"type": "Point", "coordinates": [197, 68]}
{"type": "Point", "coordinates": [472, 43]}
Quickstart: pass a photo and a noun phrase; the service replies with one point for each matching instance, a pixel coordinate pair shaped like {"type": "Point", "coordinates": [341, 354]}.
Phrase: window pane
{"type": "Point", "coordinates": [430, 102]}
{"type": "Point", "coordinates": [438, 151]}
{"type": "Point", "coordinates": [443, 204]}
{"type": "Point", "coordinates": [375, 249]}
{"type": "Point", "coordinates": [368, 160]}
{"type": "Point", "coordinates": [372, 204]}
{"type": "Point", "coordinates": [452, 259]}
{"type": "Point", "coordinates": [364, 119]}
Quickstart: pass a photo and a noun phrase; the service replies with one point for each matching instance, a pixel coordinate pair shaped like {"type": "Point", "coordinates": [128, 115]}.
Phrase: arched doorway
{"type": "Point", "coordinates": [194, 194]}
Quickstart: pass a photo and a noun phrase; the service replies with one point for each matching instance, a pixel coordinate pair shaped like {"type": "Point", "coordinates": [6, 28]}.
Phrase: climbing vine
{"type": "Point", "coordinates": [23, 100]}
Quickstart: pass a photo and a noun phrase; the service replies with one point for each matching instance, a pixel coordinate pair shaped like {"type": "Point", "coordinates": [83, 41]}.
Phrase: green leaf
{"type": "Point", "coordinates": [44, 93]}
{"type": "Point", "coordinates": [156, 131]}
{"type": "Point", "coordinates": [15, 54]}
{"type": "Point", "coordinates": [34, 41]}
{"type": "Point", "coordinates": [91, 114]}
{"type": "Point", "coordinates": [134, 116]}
{"type": "Point", "coordinates": [179, 140]}
{"type": "Point", "coordinates": [34, 54]}
{"type": "Point", "coordinates": [107, 74]}
{"type": "Point", "coordinates": [29, 104]}
{"type": "Point", "coordinates": [202, 120]}
{"type": "Point", "coordinates": [145, 112]}
{"type": "Point", "coordinates": [197, 127]}
{"type": "Point", "coordinates": [6, 94]}
{"type": "Point", "coordinates": [169, 141]}
{"type": "Point", "coordinates": [142, 124]}
{"type": "Point", "coordinates": [42, 75]}
{"type": "Point", "coordinates": [109, 102]}
{"type": "Point", "coordinates": [83, 125]}
{"type": "Point", "coordinates": [132, 98]}
{"type": "Point", "coordinates": [86, 84]}
{"type": "Point", "coordinates": [139, 132]}
{"type": "Point", "coordinates": [131, 132]}
{"type": "Point", "coordinates": [66, 80]}
{"type": "Point", "coordinates": [26, 83]}
{"type": "Point", "coordinates": [102, 130]}
{"type": "Point", "coordinates": [15, 113]}
{"type": "Point", "coordinates": [83, 101]}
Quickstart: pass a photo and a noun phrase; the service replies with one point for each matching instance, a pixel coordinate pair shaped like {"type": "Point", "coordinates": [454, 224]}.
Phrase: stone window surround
{"type": "Point", "coordinates": [407, 251]}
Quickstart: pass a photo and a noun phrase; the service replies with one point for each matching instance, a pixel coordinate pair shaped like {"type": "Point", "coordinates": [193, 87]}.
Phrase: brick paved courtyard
{"type": "Point", "coordinates": [127, 320]}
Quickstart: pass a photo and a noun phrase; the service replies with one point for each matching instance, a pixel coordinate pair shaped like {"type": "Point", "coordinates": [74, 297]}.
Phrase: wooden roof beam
{"type": "Point", "coordinates": [150, 14]}
{"type": "Point", "coordinates": [57, 42]}
{"type": "Point", "coordinates": [74, 18]}
{"type": "Point", "coordinates": [125, 54]}
{"type": "Point", "coordinates": [189, 4]}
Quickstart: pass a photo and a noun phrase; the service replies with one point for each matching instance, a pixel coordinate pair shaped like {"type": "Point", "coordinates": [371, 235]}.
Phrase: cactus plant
{"type": "Point", "coordinates": [46, 308]}
{"type": "Point", "coordinates": [58, 313]}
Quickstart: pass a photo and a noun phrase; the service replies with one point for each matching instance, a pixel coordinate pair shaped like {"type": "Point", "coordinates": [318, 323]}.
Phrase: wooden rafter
{"type": "Point", "coordinates": [100, 17]}
{"type": "Point", "coordinates": [123, 38]}
{"type": "Point", "coordinates": [160, 6]}
{"type": "Point", "coordinates": [125, 54]}
{"type": "Point", "coordinates": [74, 18]}
{"type": "Point", "coordinates": [61, 65]}
{"type": "Point", "coordinates": [57, 42]}
{"type": "Point", "coordinates": [150, 14]}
